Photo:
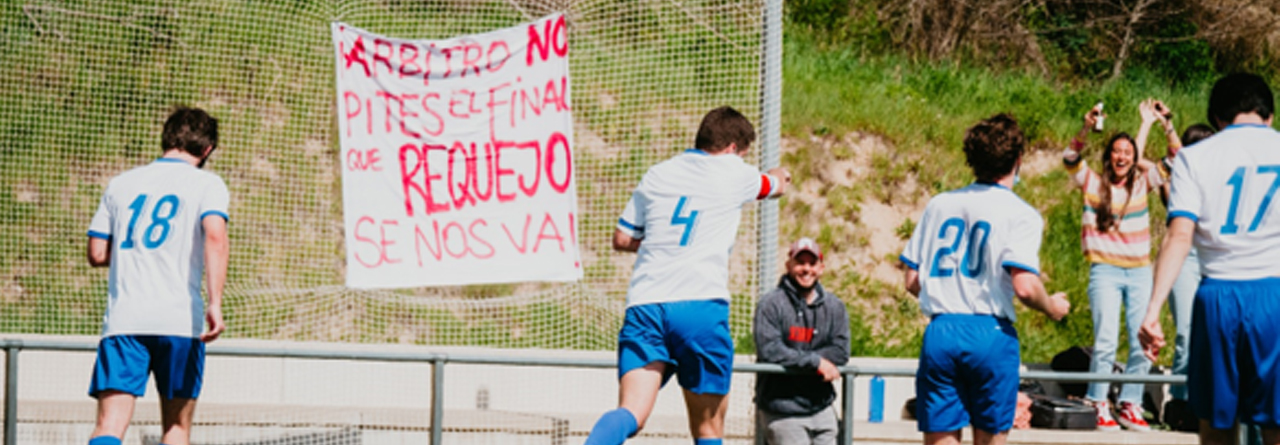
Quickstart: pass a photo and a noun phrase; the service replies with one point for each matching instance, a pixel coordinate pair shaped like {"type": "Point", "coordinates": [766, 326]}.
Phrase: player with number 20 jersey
{"type": "Point", "coordinates": [975, 249]}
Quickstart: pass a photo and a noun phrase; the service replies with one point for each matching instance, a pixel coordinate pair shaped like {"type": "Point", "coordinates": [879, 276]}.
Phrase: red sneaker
{"type": "Point", "coordinates": [1131, 417]}
{"type": "Point", "coordinates": [1105, 421]}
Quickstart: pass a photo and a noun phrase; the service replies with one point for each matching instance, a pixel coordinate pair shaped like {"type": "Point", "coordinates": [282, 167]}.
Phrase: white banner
{"type": "Point", "coordinates": [457, 158]}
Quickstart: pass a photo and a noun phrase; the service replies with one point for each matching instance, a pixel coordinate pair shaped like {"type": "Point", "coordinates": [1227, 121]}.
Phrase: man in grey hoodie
{"type": "Point", "coordinates": [799, 325]}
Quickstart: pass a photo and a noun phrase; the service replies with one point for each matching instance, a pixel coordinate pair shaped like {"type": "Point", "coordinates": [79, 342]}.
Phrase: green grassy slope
{"type": "Point", "coordinates": [923, 109]}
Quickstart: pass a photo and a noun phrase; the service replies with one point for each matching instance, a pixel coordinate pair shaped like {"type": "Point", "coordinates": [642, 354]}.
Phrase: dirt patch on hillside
{"type": "Point", "coordinates": [834, 204]}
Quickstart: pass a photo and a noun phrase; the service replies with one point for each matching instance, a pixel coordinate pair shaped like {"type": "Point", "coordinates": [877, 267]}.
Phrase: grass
{"type": "Point", "coordinates": [923, 109]}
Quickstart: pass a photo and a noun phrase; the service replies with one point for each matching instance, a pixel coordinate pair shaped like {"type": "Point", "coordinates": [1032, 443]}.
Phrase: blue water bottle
{"type": "Point", "coordinates": [877, 400]}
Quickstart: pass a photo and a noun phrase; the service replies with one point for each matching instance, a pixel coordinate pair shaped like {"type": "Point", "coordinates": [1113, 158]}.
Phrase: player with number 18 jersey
{"type": "Point", "coordinates": [153, 214]}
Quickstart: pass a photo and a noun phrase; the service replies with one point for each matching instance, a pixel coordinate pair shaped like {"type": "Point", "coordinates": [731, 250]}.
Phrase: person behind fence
{"type": "Point", "coordinates": [1116, 238]}
{"type": "Point", "coordinates": [682, 221]}
{"type": "Point", "coordinates": [161, 228]}
{"type": "Point", "coordinates": [974, 250]}
{"type": "Point", "coordinates": [801, 326]}
{"type": "Point", "coordinates": [1221, 202]}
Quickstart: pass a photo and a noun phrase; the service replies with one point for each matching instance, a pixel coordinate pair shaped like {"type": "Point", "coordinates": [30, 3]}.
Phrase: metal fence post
{"type": "Point", "coordinates": [11, 394]}
{"type": "Point", "coordinates": [437, 401]}
{"type": "Point", "coordinates": [770, 145]}
{"type": "Point", "coordinates": [846, 399]}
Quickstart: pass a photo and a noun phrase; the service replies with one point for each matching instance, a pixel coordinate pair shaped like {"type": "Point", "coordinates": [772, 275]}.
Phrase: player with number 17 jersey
{"type": "Point", "coordinates": [1230, 193]}
{"type": "Point", "coordinates": [152, 215]}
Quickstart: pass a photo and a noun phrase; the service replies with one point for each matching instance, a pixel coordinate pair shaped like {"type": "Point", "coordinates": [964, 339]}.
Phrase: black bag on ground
{"type": "Point", "coordinates": [1077, 359]}
{"type": "Point", "coordinates": [1061, 414]}
{"type": "Point", "coordinates": [1074, 359]}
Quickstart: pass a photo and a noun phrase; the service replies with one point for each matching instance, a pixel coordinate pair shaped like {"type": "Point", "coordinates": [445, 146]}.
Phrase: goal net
{"type": "Point", "coordinates": [88, 85]}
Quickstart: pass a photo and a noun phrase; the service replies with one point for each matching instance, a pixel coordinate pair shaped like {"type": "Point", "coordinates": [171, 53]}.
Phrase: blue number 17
{"type": "Point", "coordinates": [1237, 188]}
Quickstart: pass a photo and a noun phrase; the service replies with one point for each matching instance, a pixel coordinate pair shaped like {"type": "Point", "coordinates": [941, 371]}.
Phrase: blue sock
{"type": "Point", "coordinates": [716, 441]}
{"type": "Point", "coordinates": [613, 428]}
{"type": "Point", "coordinates": [104, 440]}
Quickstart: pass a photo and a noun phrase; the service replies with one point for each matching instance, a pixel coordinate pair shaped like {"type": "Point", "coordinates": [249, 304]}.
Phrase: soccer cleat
{"type": "Point", "coordinates": [1131, 417]}
{"type": "Point", "coordinates": [1105, 421]}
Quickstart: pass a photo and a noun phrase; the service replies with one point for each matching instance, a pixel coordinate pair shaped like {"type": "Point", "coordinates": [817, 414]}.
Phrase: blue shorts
{"type": "Point", "coordinates": [124, 361]}
{"type": "Point", "coordinates": [691, 337]}
{"type": "Point", "coordinates": [968, 374]}
{"type": "Point", "coordinates": [1235, 352]}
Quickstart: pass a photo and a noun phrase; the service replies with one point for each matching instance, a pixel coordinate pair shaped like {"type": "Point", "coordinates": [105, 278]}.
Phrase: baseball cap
{"type": "Point", "coordinates": [805, 245]}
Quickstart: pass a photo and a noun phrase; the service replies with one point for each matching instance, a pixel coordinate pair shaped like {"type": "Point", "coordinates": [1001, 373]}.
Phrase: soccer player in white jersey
{"type": "Point", "coordinates": [1222, 200]}
{"type": "Point", "coordinates": [974, 249]}
{"type": "Point", "coordinates": [161, 228]}
{"type": "Point", "coordinates": [682, 221]}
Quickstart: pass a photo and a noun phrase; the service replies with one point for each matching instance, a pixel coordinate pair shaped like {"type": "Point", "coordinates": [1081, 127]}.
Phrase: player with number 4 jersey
{"type": "Point", "coordinates": [682, 221]}
{"type": "Point", "coordinates": [974, 250]}
{"type": "Point", "coordinates": [1223, 201]}
{"type": "Point", "coordinates": [161, 228]}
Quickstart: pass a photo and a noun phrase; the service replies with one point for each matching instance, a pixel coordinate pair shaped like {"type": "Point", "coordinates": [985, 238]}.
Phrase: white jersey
{"type": "Point", "coordinates": [964, 245]}
{"type": "Point", "coordinates": [151, 216]}
{"type": "Point", "coordinates": [1227, 184]}
{"type": "Point", "coordinates": [687, 211]}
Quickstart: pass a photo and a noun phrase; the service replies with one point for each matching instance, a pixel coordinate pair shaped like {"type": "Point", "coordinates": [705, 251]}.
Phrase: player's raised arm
{"type": "Point", "coordinates": [776, 182]}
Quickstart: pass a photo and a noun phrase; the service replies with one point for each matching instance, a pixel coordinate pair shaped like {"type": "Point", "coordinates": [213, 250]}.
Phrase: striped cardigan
{"type": "Point", "coordinates": [1128, 243]}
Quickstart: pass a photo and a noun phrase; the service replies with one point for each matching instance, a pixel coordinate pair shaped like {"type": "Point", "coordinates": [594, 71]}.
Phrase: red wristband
{"type": "Point", "coordinates": [1076, 144]}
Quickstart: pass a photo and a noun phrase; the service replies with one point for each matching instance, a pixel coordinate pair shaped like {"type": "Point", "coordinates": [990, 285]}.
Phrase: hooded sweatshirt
{"type": "Point", "coordinates": [795, 334]}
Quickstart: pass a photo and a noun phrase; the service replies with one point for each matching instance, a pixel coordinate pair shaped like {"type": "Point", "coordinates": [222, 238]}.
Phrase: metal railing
{"type": "Point", "coordinates": [438, 361]}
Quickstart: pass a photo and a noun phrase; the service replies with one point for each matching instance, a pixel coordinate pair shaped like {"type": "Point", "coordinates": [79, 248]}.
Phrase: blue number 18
{"type": "Point", "coordinates": [161, 214]}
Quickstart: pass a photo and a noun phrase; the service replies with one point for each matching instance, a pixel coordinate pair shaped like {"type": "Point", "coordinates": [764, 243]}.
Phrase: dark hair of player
{"type": "Point", "coordinates": [191, 130]}
{"type": "Point", "coordinates": [1236, 94]}
{"type": "Point", "coordinates": [1105, 219]}
{"type": "Point", "coordinates": [1196, 133]}
{"type": "Point", "coordinates": [724, 126]}
{"type": "Point", "coordinates": [993, 147]}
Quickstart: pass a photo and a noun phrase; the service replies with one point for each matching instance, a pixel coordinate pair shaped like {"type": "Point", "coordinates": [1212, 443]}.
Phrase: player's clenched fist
{"type": "Point", "coordinates": [1059, 306]}
{"type": "Point", "coordinates": [783, 176]}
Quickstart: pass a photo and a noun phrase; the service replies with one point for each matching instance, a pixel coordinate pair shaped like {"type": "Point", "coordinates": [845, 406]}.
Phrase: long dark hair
{"type": "Point", "coordinates": [1107, 220]}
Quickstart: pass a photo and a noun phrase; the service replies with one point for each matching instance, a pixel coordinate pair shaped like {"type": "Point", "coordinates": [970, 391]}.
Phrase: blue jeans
{"type": "Point", "coordinates": [1109, 286]}
{"type": "Point", "coordinates": [1180, 301]}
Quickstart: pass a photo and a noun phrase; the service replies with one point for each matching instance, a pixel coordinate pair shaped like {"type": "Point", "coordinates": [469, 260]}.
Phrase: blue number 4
{"type": "Point", "coordinates": [686, 221]}
{"type": "Point", "coordinates": [1237, 188]}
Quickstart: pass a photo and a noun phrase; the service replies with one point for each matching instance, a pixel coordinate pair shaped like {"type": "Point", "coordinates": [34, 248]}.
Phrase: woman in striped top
{"type": "Point", "coordinates": [1116, 238]}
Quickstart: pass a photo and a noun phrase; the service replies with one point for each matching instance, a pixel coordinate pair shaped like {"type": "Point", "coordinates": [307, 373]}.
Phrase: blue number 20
{"type": "Point", "coordinates": [1237, 188]}
{"type": "Point", "coordinates": [161, 214]}
{"type": "Point", "coordinates": [686, 221]}
{"type": "Point", "coordinates": [969, 266]}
